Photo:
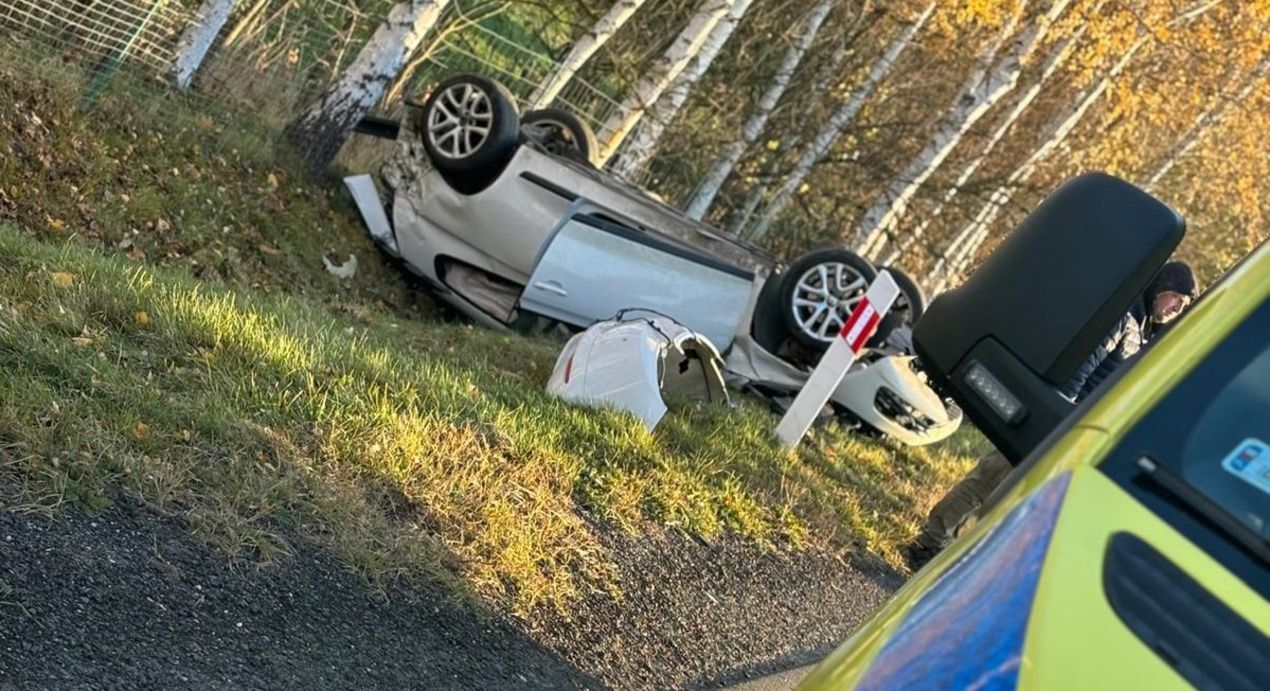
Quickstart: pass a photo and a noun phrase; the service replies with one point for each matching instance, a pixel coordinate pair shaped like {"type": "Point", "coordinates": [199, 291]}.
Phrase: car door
{"type": "Point", "coordinates": [595, 265]}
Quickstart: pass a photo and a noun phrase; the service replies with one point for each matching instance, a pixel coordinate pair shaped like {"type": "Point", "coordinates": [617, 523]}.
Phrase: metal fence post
{"type": "Point", "coordinates": [114, 61]}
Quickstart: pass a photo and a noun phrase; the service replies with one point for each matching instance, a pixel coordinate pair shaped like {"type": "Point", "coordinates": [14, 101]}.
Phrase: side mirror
{"type": "Point", "coordinates": [1003, 343]}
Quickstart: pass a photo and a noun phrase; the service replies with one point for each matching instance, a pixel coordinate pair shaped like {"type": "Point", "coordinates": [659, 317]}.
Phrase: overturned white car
{"type": "Point", "coordinates": [505, 219]}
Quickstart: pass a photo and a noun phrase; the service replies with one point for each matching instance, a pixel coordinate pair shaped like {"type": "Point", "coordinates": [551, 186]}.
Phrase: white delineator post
{"type": "Point", "coordinates": [824, 380]}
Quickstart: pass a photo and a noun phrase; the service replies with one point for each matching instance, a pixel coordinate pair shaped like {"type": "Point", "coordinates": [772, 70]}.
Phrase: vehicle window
{"type": "Point", "coordinates": [1211, 434]}
{"type": "Point", "coordinates": [1226, 455]}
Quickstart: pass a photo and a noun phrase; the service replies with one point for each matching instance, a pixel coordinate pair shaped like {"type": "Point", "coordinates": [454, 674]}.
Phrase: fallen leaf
{"type": "Point", "coordinates": [142, 319]}
{"type": "Point", "coordinates": [62, 279]}
{"type": "Point", "coordinates": [57, 223]}
{"type": "Point", "coordinates": [82, 341]}
{"type": "Point", "coordinates": [140, 431]}
{"type": "Point", "coordinates": [270, 249]}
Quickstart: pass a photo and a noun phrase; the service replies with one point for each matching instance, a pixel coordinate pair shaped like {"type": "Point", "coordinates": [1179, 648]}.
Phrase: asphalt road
{"type": "Point", "coordinates": [128, 599]}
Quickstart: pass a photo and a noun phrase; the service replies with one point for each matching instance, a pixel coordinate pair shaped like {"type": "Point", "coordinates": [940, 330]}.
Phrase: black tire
{"type": "Point", "coordinates": [563, 134]}
{"type": "Point", "coordinates": [470, 101]}
{"type": "Point", "coordinates": [911, 303]}
{"type": "Point", "coordinates": [886, 325]}
{"type": "Point", "coordinates": [800, 321]}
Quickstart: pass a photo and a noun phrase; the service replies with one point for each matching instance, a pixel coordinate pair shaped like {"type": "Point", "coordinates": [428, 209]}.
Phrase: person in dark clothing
{"type": "Point", "coordinates": [1171, 292]}
{"type": "Point", "coordinates": [1168, 294]}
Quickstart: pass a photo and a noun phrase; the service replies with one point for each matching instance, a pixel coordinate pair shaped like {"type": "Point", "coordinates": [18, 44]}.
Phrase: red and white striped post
{"type": "Point", "coordinates": [834, 364]}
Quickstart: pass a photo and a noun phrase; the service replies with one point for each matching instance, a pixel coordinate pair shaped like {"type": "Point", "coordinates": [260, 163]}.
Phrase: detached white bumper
{"type": "Point", "coordinates": [628, 365]}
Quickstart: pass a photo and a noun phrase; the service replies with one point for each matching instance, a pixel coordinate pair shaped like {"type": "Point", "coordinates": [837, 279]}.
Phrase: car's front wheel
{"type": "Point", "coordinates": [470, 130]}
{"type": "Point", "coordinates": [819, 292]}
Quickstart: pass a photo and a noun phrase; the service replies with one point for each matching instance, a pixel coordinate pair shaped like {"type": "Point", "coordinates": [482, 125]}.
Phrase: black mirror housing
{"type": "Point", "coordinates": [1019, 328]}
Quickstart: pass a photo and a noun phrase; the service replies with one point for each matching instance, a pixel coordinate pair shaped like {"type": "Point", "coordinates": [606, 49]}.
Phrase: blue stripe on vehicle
{"type": "Point", "coordinates": [967, 631]}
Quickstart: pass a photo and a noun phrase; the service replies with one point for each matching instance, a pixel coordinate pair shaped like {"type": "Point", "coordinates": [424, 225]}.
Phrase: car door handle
{"type": "Point", "coordinates": [552, 287]}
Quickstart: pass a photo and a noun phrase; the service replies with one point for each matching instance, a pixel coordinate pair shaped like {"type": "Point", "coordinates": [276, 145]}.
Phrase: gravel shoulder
{"type": "Point", "coordinates": [696, 615]}
{"type": "Point", "coordinates": [128, 599]}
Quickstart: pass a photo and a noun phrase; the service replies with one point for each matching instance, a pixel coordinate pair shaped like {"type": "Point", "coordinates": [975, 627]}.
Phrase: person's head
{"type": "Point", "coordinates": [1170, 292]}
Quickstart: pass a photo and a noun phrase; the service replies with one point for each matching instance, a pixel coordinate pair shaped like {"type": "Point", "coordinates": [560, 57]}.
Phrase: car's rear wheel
{"type": "Point", "coordinates": [819, 292]}
{"type": "Point", "coordinates": [470, 130]}
{"type": "Point", "coordinates": [562, 133]}
{"type": "Point", "coordinates": [911, 302]}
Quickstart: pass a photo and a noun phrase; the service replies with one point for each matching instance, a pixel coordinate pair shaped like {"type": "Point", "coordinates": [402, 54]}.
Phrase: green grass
{"type": "Point", "coordinates": [167, 181]}
{"type": "Point", "coordinates": [168, 332]}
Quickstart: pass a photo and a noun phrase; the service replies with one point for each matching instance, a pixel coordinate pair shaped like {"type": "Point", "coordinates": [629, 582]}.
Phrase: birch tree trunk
{"type": "Point", "coordinates": [825, 79]}
{"type": "Point", "coordinates": [965, 246]}
{"type": "Point", "coordinates": [828, 135]}
{"type": "Point", "coordinates": [197, 40]}
{"type": "Point", "coordinates": [582, 50]}
{"type": "Point", "coordinates": [1025, 101]}
{"type": "Point", "coordinates": [660, 75]}
{"type": "Point", "coordinates": [323, 128]}
{"type": "Point", "coordinates": [988, 83]}
{"type": "Point", "coordinates": [722, 167]}
{"type": "Point", "coordinates": [1206, 121]}
{"type": "Point", "coordinates": [641, 146]}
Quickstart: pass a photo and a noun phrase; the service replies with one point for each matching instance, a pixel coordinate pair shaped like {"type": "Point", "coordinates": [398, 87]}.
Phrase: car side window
{"type": "Point", "coordinates": [1227, 456]}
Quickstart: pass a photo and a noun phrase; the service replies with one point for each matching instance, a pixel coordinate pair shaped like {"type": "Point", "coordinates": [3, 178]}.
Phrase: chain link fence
{"type": "Point", "coordinates": [133, 32]}
{"type": "Point", "coordinates": [271, 58]}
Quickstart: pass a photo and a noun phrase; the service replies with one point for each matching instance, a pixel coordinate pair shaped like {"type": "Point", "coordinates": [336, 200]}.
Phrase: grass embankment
{"type": "Point", "coordinates": [167, 330]}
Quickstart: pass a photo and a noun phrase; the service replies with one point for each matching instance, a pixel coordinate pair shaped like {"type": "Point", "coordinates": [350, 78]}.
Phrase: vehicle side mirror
{"type": "Point", "coordinates": [1004, 342]}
